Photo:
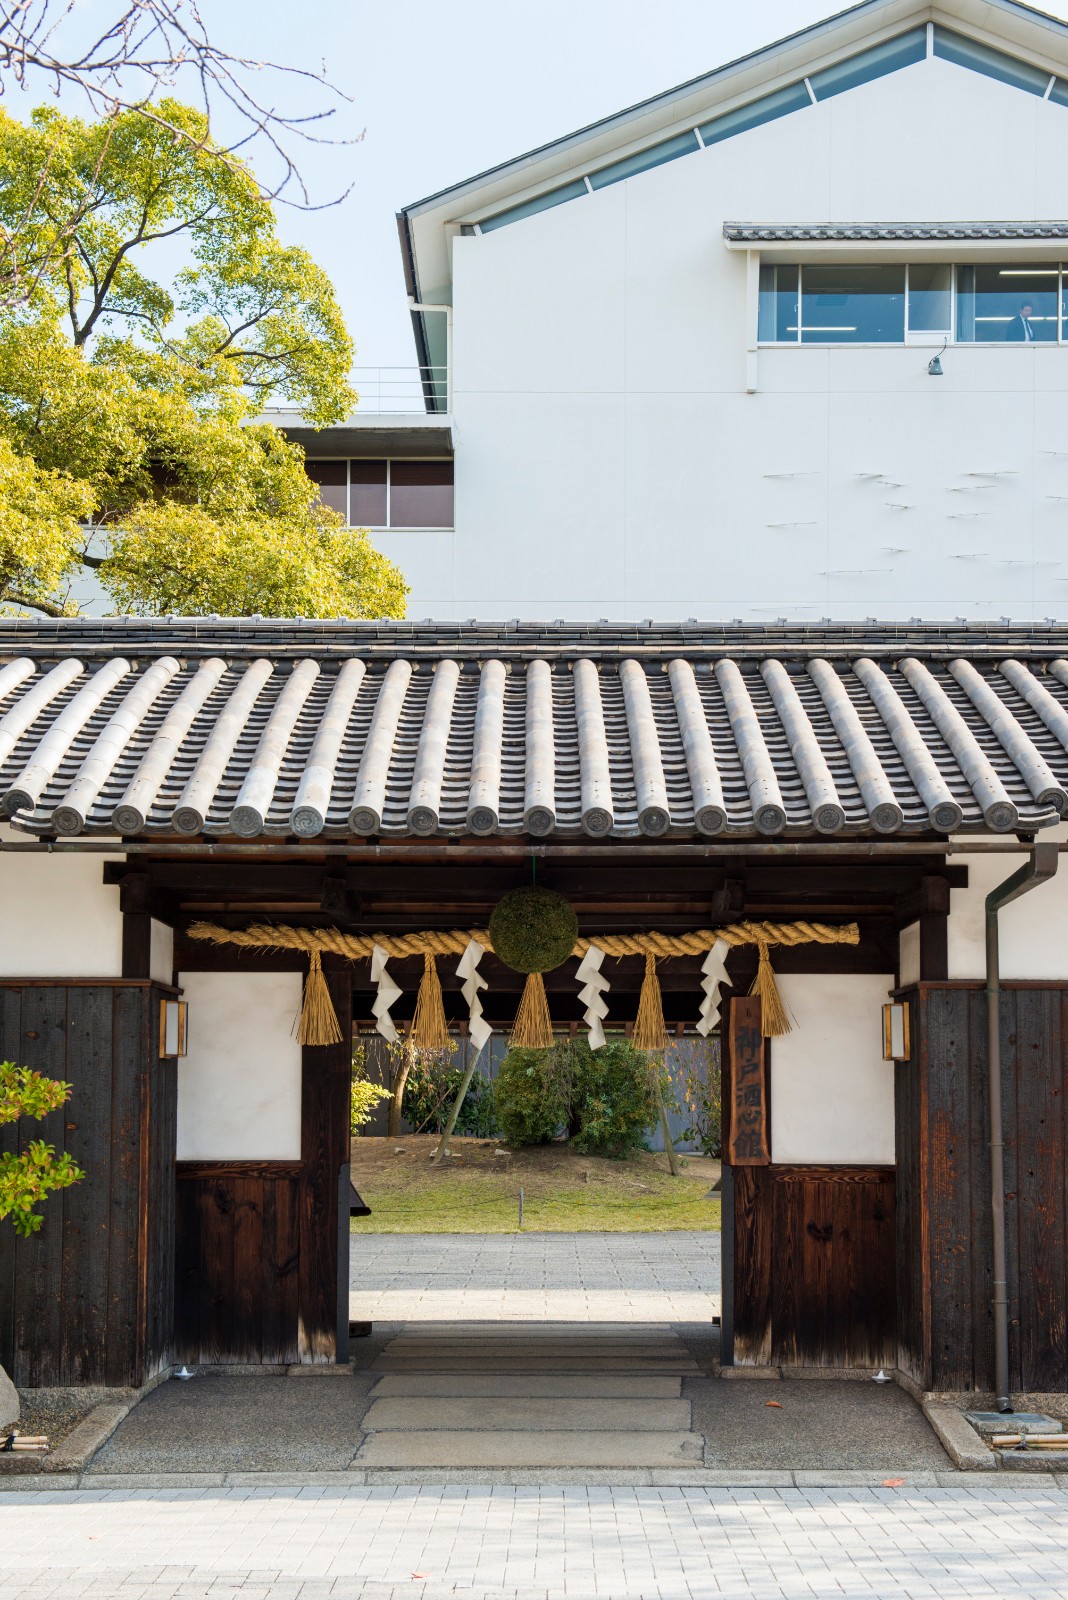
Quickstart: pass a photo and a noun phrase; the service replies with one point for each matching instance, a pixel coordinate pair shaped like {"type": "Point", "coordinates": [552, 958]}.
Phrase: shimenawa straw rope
{"type": "Point", "coordinates": [319, 1024]}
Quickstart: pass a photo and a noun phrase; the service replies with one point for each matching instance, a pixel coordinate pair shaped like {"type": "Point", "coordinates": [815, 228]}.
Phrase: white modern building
{"type": "Point", "coordinates": [754, 348]}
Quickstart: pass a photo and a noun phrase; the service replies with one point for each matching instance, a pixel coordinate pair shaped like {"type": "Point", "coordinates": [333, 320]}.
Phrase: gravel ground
{"type": "Point", "coordinates": [56, 1412]}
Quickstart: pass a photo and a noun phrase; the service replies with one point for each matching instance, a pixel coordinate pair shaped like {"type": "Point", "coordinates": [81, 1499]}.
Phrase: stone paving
{"type": "Point", "coordinates": [566, 1277]}
{"type": "Point", "coordinates": [998, 1539]}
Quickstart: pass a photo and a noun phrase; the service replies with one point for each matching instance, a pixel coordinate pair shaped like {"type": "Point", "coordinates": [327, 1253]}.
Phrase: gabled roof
{"type": "Point", "coordinates": [321, 731]}
{"type": "Point", "coordinates": [1034, 39]}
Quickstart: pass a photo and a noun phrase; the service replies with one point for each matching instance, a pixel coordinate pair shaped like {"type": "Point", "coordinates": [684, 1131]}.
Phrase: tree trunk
{"type": "Point", "coordinates": [400, 1078]}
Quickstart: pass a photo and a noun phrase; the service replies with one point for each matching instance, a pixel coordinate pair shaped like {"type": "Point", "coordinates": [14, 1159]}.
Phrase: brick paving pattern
{"type": "Point", "coordinates": [567, 1277]}
{"type": "Point", "coordinates": [1006, 1540]}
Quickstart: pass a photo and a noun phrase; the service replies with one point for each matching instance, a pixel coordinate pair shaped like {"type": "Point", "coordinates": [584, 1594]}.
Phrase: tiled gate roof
{"type": "Point", "coordinates": [252, 729]}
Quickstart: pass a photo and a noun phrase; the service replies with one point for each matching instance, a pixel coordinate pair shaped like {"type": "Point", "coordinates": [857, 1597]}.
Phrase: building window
{"type": "Point", "coordinates": [1007, 303]}
{"type": "Point", "coordinates": [368, 494]}
{"type": "Point", "coordinates": [332, 478]}
{"type": "Point", "coordinates": [883, 303]}
{"type": "Point", "coordinates": [387, 494]}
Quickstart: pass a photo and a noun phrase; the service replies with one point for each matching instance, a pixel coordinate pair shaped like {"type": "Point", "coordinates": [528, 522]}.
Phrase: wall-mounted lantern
{"type": "Point", "coordinates": [897, 1045]}
{"type": "Point", "coordinates": [172, 1027]}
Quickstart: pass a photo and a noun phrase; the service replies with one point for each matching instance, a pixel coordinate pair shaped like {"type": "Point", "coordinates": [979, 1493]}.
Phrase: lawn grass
{"type": "Point", "coordinates": [478, 1190]}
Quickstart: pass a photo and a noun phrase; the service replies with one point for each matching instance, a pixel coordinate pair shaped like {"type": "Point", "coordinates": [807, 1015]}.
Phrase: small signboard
{"type": "Point", "coordinates": [747, 1145]}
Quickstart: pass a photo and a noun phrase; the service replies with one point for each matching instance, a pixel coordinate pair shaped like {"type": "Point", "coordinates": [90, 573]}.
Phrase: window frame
{"type": "Point", "coordinates": [387, 526]}
{"type": "Point", "coordinates": [922, 337]}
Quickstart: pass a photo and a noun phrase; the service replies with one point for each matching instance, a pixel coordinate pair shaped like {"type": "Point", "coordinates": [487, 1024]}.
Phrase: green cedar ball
{"type": "Point", "coordinates": [533, 930]}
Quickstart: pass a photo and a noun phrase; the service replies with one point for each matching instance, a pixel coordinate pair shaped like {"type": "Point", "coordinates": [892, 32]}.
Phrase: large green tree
{"type": "Point", "coordinates": [151, 314]}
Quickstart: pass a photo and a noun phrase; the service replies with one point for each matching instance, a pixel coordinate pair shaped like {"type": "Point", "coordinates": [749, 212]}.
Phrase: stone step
{"type": "Point", "coordinates": [677, 1367]}
{"type": "Point", "coordinates": [470, 1414]}
{"type": "Point", "coordinates": [525, 1449]}
{"type": "Point", "coordinates": [636, 1330]}
{"type": "Point", "coordinates": [544, 1351]}
{"type": "Point", "coordinates": [592, 1386]}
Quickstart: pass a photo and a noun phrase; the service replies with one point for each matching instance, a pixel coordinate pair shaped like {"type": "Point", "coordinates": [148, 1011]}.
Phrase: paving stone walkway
{"type": "Point", "coordinates": [566, 1277]}
{"type": "Point", "coordinates": [1008, 1540]}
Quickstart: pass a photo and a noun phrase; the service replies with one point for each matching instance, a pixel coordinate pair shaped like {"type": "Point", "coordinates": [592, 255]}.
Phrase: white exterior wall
{"type": "Point", "coordinates": [59, 919]}
{"type": "Point", "coordinates": [610, 463]}
{"type": "Point", "coordinates": [832, 1094]}
{"type": "Point", "coordinates": [1032, 931]}
{"type": "Point", "coordinates": [239, 1085]}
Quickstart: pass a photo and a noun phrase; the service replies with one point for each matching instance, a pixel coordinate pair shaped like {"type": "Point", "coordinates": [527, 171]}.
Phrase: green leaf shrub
{"type": "Point", "coordinates": [530, 1096]}
{"type": "Point", "coordinates": [364, 1095]}
{"type": "Point", "coordinates": [611, 1097]}
{"type": "Point", "coordinates": [30, 1177]}
{"type": "Point", "coordinates": [430, 1089]}
{"type": "Point", "coordinates": [602, 1097]}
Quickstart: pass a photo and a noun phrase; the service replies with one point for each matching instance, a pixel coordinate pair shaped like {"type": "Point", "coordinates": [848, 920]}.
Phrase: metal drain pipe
{"type": "Point", "coordinates": [1042, 865]}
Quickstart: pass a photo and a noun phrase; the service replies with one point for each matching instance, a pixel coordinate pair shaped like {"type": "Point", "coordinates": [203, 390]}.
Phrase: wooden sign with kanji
{"type": "Point", "coordinates": [747, 1145]}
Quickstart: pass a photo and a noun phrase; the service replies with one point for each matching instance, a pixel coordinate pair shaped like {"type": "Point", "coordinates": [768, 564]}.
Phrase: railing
{"type": "Point", "coordinates": [402, 390]}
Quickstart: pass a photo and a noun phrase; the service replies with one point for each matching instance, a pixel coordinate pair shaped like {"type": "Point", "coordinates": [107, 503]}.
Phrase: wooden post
{"type": "Point", "coordinates": [324, 1149]}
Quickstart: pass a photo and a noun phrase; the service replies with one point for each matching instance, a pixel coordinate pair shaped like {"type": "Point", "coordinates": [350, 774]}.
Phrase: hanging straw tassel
{"type": "Point", "coordinates": [533, 1028]}
{"type": "Point", "coordinates": [649, 1030]}
{"type": "Point", "coordinates": [429, 1028]}
{"type": "Point", "coordinates": [773, 1018]}
{"type": "Point", "coordinates": [318, 1019]}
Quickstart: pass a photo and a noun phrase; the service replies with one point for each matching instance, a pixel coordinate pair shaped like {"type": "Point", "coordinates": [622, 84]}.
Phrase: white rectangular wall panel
{"type": "Point", "coordinates": [161, 953]}
{"type": "Point", "coordinates": [909, 954]}
{"type": "Point", "coordinates": [832, 1094]}
{"type": "Point", "coordinates": [58, 919]}
{"type": "Point", "coordinates": [1032, 931]}
{"type": "Point", "coordinates": [239, 1086]}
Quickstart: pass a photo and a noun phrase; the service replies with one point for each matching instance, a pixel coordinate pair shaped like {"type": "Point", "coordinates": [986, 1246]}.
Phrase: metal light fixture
{"type": "Point", "coordinates": [897, 1045]}
{"type": "Point", "coordinates": [934, 366]}
{"type": "Point", "coordinates": [172, 1027]}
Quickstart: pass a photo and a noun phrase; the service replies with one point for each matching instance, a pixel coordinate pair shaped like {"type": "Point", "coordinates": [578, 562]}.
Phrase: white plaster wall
{"type": "Point", "coordinates": [609, 462]}
{"type": "Point", "coordinates": [909, 954]}
{"type": "Point", "coordinates": [1032, 931]}
{"type": "Point", "coordinates": [58, 919]}
{"type": "Point", "coordinates": [239, 1085]}
{"type": "Point", "coordinates": [161, 952]}
{"type": "Point", "coordinates": [832, 1094]}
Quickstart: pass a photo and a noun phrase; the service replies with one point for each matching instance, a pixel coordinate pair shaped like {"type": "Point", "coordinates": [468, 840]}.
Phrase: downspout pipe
{"type": "Point", "coordinates": [1041, 866]}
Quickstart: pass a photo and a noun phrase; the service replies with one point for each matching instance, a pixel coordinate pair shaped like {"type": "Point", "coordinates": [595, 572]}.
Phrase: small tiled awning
{"type": "Point", "coordinates": [340, 730]}
{"type": "Point", "coordinates": [864, 232]}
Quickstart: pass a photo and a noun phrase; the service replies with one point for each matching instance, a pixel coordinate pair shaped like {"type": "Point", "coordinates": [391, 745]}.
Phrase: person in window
{"type": "Point", "coordinates": [1020, 328]}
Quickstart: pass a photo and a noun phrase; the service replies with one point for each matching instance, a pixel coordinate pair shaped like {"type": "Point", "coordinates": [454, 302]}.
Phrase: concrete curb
{"type": "Point", "coordinates": [83, 1441]}
{"type": "Point", "coordinates": [663, 1478]}
{"type": "Point", "coordinates": [964, 1447]}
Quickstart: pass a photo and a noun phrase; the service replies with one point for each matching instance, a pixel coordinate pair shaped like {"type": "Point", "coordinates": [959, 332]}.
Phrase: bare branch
{"type": "Point", "coordinates": [159, 46]}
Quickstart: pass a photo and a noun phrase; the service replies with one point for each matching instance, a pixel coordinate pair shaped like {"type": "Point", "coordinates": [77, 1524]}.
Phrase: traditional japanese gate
{"type": "Point", "coordinates": [376, 797]}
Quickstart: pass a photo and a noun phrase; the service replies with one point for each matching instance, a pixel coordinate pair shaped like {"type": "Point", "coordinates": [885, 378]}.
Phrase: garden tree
{"type": "Point", "coordinates": [29, 1177]}
{"type": "Point", "coordinates": [131, 396]}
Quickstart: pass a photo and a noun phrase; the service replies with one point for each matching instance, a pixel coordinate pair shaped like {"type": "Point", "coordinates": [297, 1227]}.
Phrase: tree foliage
{"type": "Point", "coordinates": [131, 396]}
{"type": "Point", "coordinates": [29, 1177]}
{"type": "Point", "coordinates": [604, 1098]}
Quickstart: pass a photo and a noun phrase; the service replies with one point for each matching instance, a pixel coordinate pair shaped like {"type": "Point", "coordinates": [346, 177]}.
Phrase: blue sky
{"type": "Point", "coordinates": [444, 90]}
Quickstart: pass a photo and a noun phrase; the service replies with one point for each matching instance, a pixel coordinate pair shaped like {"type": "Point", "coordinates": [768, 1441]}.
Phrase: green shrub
{"type": "Point", "coordinates": [602, 1097]}
{"type": "Point", "coordinates": [430, 1089]}
{"type": "Point", "coordinates": [364, 1094]}
{"type": "Point", "coordinates": [530, 1097]}
{"type": "Point", "coordinates": [33, 1175]}
{"type": "Point", "coordinates": [611, 1097]}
